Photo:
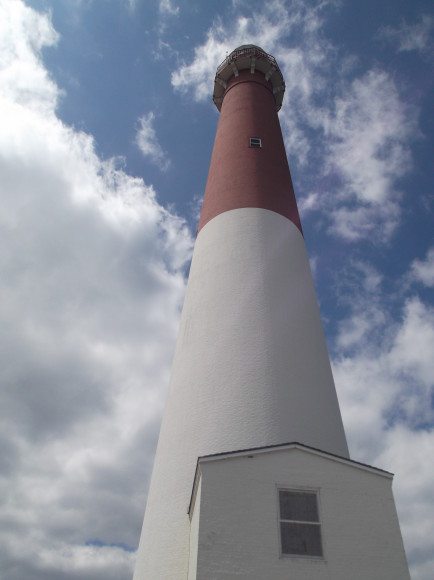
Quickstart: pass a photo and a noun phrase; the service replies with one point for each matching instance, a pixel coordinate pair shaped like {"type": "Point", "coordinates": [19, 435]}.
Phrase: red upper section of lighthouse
{"type": "Point", "coordinates": [248, 91]}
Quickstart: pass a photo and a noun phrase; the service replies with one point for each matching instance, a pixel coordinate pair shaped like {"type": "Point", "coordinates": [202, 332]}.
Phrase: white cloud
{"type": "Point", "coordinates": [308, 203]}
{"type": "Point", "coordinates": [91, 286]}
{"type": "Point", "coordinates": [361, 143]}
{"type": "Point", "coordinates": [423, 270]}
{"type": "Point", "coordinates": [313, 263]}
{"type": "Point", "coordinates": [166, 7]}
{"type": "Point", "coordinates": [384, 373]}
{"type": "Point", "coordinates": [147, 142]}
{"type": "Point", "coordinates": [265, 28]}
{"type": "Point", "coordinates": [412, 350]}
{"type": "Point", "coordinates": [368, 151]}
{"type": "Point", "coordinates": [23, 33]}
{"type": "Point", "coordinates": [389, 364]}
{"type": "Point", "coordinates": [302, 63]}
{"type": "Point", "coordinates": [367, 315]}
{"type": "Point", "coordinates": [409, 37]}
{"type": "Point", "coordinates": [167, 11]}
{"type": "Point", "coordinates": [406, 452]}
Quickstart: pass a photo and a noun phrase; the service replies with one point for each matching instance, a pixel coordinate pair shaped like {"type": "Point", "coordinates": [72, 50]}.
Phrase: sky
{"type": "Point", "coordinates": [106, 131]}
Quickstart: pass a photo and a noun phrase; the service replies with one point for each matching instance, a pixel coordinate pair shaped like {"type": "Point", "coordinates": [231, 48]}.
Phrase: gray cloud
{"type": "Point", "coordinates": [91, 288]}
{"type": "Point", "coordinates": [410, 37]}
{"type": "Point", "coordinates": [92, 284]}
{"type": "Point", "coordinates": [384, 371]}
{"type": "Point", "coordinates": [422, 271]}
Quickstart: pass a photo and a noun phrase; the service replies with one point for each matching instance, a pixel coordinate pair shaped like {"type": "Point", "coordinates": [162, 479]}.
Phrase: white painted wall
{"type": "Point", "coordinates": [194, 535]}
{"type": "Point", "coordinates": [251, 369]}
{"type": "Point", "coordinates": [239, 532]}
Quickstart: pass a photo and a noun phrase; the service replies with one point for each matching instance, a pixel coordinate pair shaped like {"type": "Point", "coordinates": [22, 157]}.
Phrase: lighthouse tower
{"type": "Point", "coordinates": [252, 478]}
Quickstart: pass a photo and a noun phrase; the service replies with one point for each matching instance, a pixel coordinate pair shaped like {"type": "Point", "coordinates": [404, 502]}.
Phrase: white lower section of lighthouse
{"type": "Point", "coordinates": [251, 366]}
{"type": "Point", "coordinates": [251, 369]}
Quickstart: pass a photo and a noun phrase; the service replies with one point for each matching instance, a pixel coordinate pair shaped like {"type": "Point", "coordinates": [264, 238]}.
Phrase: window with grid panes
{"type": "Point", "coordinates": [300, 527]}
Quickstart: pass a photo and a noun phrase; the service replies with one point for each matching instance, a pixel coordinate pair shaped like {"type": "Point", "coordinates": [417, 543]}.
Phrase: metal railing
{"type": "Point", "coordinates": [247, 51]}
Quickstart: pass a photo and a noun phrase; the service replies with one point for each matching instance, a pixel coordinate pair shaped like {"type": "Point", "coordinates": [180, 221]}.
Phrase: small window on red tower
{"type": "Point", "coordinates": [255, 142]}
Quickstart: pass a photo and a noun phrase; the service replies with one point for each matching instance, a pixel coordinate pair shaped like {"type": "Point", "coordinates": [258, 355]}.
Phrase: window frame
{"type": "Point", "coordinates": [314, 491]}
{"type": "Point", "coordinates": [258, 146]}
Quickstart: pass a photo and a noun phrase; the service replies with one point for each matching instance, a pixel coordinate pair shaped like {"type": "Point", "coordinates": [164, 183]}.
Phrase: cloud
{"type": "Point", "coordinates": [384, 369]}
{"type": "Point", "coordinates": [302, 62]}
{"type": "Point", "coordinates": [92, 282]}
{"type": "Point", "coordinates": [406, 452]}
{"type": "Point", "coordinates": [266, 28]}
{"type": "Point", "coordinates": [166, 12]}
{"type": "Point", "coordinates": [23, 34]}
{"type": "Point", "coordinates": [91, 286]}
{"type": "Point", "coordinates": [386, 402]}
{"type": "Point", "coordinates": [147, 142]}
{"type": "Point", "coordinates": [410, 37]}
{"type": "Point", "coordinates": [423, 270]}
{"type": "Point", "coordinates": [349, 137]}
{"type": "Point", "coordinates": [167, 8]}
{"type": "Point", "coordinates": [363, 281]}
{"type": "Point", "coordinates": [308, 203]}
{"type": "Point", "coordinates": [368, 136]}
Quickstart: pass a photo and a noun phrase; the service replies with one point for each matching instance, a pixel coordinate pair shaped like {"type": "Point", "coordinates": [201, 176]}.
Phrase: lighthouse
{"type": "Point", "coordinates": [252, 477]}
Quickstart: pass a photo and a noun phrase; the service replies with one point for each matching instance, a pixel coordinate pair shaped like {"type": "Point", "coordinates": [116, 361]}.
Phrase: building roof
{"type": "Point", "coordinates": [281, 447]}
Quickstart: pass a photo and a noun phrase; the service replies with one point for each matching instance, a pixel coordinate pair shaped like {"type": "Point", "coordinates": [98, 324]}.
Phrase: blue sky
{"type": "Point", "coordinates": [107, 127]}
